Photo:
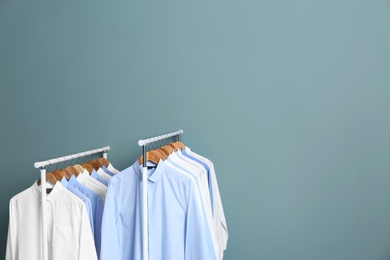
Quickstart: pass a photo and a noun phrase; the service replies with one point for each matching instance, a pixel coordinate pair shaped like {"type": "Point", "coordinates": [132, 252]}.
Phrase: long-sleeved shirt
{"type": "Point", "coordinates": [96, 176]}
{"type": "Point", "coordinates": [177, 228]}
{"type": "Point", "coordinates": [97, 209]}
{"type": "Point", "coordinates": [103, 174]}
{"type": "Point", "coordinates": [201, 181]}
{"type": "Point", "coordinates": [68, 230]}
{"type": "Point", "coordinates": [93, 184]}
{"type": "Point", "coordinates": [218, 212]}
{"type": "Point", "coordinates": [107, 171]}
{"type": "Point", "coordinates": [112, 169]}
{"type": "Point", "coordinates": [84, 198]}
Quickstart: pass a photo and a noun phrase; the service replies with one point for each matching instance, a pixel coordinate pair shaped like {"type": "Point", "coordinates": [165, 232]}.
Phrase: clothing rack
{"type": "Point", "coordinates": [144, 143]}
{"type": "Point", "coordinates": [42, 166]}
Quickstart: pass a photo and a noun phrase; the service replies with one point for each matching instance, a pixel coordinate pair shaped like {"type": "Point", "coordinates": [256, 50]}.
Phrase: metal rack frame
{"type": "Point", "coordinates": [144, 143]}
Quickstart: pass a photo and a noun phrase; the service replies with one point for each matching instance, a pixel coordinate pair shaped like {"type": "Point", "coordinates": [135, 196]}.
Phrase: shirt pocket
{"type": "Point", "coordinates": [62, 242]}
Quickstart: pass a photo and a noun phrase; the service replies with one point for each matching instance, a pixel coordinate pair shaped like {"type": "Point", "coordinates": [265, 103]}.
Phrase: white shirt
{"type": "Point", "coordinates": [103, 174]}
{"type": "Point", "coordinates": [93, 184]}
{"type": "Point", "coordinates": [201, 179]}
{"type": "Point", "coordinates": [219, 215]}
{"type": "Point", "coordinates": [112, 169]}
{"type": "Point", "coordinates": [69, 233]}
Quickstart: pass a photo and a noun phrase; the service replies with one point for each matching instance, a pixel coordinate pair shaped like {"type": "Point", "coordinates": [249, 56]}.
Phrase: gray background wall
{"type": "Point", "coordinates": [290, 99]}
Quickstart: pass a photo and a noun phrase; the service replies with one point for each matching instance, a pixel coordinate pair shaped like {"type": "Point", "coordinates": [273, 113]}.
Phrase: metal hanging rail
{"type": "Point", "coordinates": [144, 143]}
{"type": "Point", "coordinates": [72, 156]}
{"type": "Point", "coordinates": [42, 166]}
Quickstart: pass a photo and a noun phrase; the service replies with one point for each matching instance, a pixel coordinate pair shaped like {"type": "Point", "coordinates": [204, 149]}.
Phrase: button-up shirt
{"type": "Point", "coordinates": [69, 234]}
{"type": "Point", "coordinates": [97, 209]}
{"type": "Point", "coordinates": [103, 174]}
{"type": "Point", "coordinates": [177, 229]}
{"type": "Point", "coordinates": [200, 179]}
{"type": "Point", "coordinates": [218, 212]}
{"type": "Point", "coordinates": [84, 198]}
{"type": "Point", "coordinates": [96, 176]}
{"type": "Point", "coordinates": [107, 171]}
{"type": "Point", "coordinates": [112, 169]}
{"type": "Point", "coordinates": [93, 184]}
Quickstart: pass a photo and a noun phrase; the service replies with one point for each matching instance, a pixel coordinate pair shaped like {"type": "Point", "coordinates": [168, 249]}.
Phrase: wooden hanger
{"type": "Point", "coordinates": [87, 167]}
{"type": "Point", "coordinates": [103, 161]}
{"type": "Point", "coordinates": [161, 155]}
{"type": "Point", "coordinates": [174, 146]}
{"type": "Point", "coordinates": [66, 173]}
{"type": "Point", "coordinates": [153, 156]}
{"type": "Point", "coordinates": [164, 151]}
{"type": "Point", "coordinates": [79, 168]}
{"type": "Point", "coordinates": [72, 170]}
{"type": "Point", "coordinates": [58, 174]}
{"type": "Point", "coordinates": [180, 144]}
{"type": "Point", "coordinates": [95, 164]}
{"type": "Point", "coordinates": [49, 178]}
{"type": "Point", "coordinates": [167, 149]}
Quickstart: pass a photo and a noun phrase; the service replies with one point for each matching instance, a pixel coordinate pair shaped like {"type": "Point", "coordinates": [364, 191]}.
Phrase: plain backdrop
{"type": "Point", "coordinates": [289, 99]}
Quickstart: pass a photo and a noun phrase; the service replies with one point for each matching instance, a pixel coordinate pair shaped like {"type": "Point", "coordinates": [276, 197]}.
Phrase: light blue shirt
{"type": "Point", "coordinates": [84, 198]}
{"type": "Point", "coordinates": [97, 209]}
{"type": "Point", "coordinates": [99, 178]}
{"type": "Point", "coordinates": [176, 226]}
{"type": "Point", "coordinates": [208, 236]}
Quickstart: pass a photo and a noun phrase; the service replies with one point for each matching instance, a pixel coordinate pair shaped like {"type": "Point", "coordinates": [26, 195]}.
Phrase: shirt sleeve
{"type": "Point", "coordinates": [110, 244]}
{"type": "Point", "coordinates": [89, 213]}
{"type": "Point", "coordinates": [87, 249]}
{"type": "Point", "coordinates": [219, 215]}
{"type": "Point", "coordinates": [198, 243]}
{"type": "Point", "coordinates": [11, 239]}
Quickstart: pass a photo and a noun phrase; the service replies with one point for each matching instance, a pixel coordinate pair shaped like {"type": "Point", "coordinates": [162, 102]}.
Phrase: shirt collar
{"type": "Point", "coordinates": [72, 181]}
{"type": "Point", "coordinates": [64, 182]}
{"type": "Point", "coordinates": [111, 168]}
{"type": "Point", "coordinates": [80, 177]}
{"type": "Point", "coordinates": [94, 174]}
{"type": "Point", "coordinates": [57, 187]}
{"type": "Point", "coordinates": [154, 174]}
{"type": "Point", "coordinates": [107, 170]}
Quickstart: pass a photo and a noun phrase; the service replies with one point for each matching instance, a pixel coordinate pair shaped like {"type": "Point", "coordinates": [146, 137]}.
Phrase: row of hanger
{"type": "Point", "coordinates": [75, 170]}
{"type": "Point", "coordinates": [162, 153]}
{"type": "Point", "coordinates": [153, 156]}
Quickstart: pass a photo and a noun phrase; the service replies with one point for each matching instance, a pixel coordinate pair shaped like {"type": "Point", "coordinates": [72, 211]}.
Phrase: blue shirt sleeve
{"type": "Point", "coordinates": [198, 244]}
